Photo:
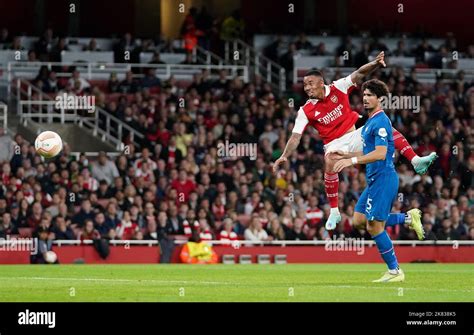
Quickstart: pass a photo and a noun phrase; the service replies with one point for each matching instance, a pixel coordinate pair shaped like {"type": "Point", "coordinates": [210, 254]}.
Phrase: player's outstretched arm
{"type": "Point", "coordinates": [291, 146]}
{"type": "Point", "coordinates": [378, 154]}
{"type": "Point", "coordinates": [358, 75]}
{"type": "Point", "coordinates": [338, 154]}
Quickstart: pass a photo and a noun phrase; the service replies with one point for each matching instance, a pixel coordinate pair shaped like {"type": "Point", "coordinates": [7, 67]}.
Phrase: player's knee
{"type": "Point", "coordinates": [374, 227]}
{"type": "Point", "coordinates": [329, 163]}
{"type": "Point", "coordinates": [359, 221]}
{"type": "Point", "coordinates": [370, 228]}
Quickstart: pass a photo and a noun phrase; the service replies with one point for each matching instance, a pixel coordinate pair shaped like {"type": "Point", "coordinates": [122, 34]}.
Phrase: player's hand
{"type": "Point", "coordinates": [278, 162]}
{"type": "Point", "coordinates": [380, 59]}
{"type": "Point", "coordinates": [337, 155]}
{"type": "Point", "coordinates": [341, 164]}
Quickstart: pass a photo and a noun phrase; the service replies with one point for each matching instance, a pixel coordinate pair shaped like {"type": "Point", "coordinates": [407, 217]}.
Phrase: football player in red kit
{"type": "Point", "coordinates": [328, 110]}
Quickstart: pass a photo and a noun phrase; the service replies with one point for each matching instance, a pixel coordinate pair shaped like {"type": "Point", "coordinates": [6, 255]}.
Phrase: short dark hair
{"type": "Point", "coordinates": [377, 87]}
{"type": "Point", "coordinates": [314, 72]}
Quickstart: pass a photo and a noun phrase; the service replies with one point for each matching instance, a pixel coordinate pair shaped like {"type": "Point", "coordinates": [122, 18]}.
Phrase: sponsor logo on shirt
{"type": "Point", "coordinates": [332, 115]}
{"type": "Point", "coordinates": [383, 132]}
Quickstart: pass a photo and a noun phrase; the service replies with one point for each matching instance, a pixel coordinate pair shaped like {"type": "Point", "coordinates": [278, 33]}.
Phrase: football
{"type": "Point", "coordinates": [48, 144]}
{"type": "Point", "coordinates": [50, 257]}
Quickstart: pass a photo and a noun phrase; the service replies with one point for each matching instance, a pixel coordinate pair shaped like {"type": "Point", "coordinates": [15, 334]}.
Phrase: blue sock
{"type": "Point", "coordinates": [394, 219]}
{"type": "Point", "coordinates": [385, 246]}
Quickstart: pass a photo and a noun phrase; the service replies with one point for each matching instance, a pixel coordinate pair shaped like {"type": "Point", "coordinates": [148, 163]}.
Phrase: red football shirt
{"type": "Point", "coordinates": [332, 116]}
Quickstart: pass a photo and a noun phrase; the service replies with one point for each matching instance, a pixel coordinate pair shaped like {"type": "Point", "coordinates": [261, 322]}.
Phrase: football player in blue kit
{"type": "Point", "coordinates": [374, 205]}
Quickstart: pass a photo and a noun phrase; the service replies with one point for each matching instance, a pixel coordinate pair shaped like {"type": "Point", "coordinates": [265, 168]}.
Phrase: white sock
{"type": "Point", "coordinates": [394, 271]}
{"type": "Point", "coordinates": [335, 210]}
{"type": "Point", "coordinates": [407, 219]}
{"type": "Point", "coordinates": [415, 160]}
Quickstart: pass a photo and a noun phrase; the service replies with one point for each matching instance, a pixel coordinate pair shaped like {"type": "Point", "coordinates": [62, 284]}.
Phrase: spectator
{"type": "Point", "coordinates": [62, 229]}
{"type": "Point", "coordinates": [128, 85]}
{"type": "Point", "coordinates": [5, 36]}
{"type": "Point", "coordinates": [6, 146]}
{"type": "Point", "coordinates": [7, 227]}
{"type": "Point", "coordinates": [92, 46]}
{"type": "Point", "coordinates": [227, 234]}
{"type": "Point", "coordinates": [88, 232]}
{"type": "Point", "coordinates": [126, 229]}
{"type": "Point", "coordinates": [78, 82]}
{"type": "Point", "coordinates": [189, 59]}
{"type": "Point", "coordinates": [255, 231]}
{"type": "Point", "coordinates": [114, 83]}
{"type": "Point", "coordinates": [174, 224]}
{"type": "Point", "coordinates": [104, 169]}
{"type": "Point", "coordinates": [272, 50]}
{"type": "Point", "coordinates": [298, 231]}
{"type": "Point", "coordinates": [150, 79]}
{"type": "Point", "coordinates": [85, 213]}
{"type": "Point", "coordinates": [233, 27]}
{"type": "Point", "coordinates": [51, 84]}
{"type": "Point", "coordinates": [302, 43]}
{"type": "Point", "coordinates": [34, 218]}
{"type": "Point", "coordinates": [275, 230]}
{"type": "Point", "coordinates": [156, 59]}
{"type": "Point", "coordinates": [104, 230]}
{"type": "Point", "coordinates": [111, 216]}
{"type": "Point", "coordinates": [446, 232]}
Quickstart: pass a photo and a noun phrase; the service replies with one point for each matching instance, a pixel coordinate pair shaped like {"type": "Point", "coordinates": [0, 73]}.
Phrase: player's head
{"type": "Point", "coordinates": [313, 84]}
{"type": "Point", "coordinates": [373, 91]}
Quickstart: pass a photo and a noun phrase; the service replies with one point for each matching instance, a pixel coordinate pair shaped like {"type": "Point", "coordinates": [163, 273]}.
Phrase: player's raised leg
{"type": "Point", "coordinates": [412, 218]}
{"type": "Point", "coordinates": [331, 185]}
{"type": "Point", "coordinates": [420, 164]}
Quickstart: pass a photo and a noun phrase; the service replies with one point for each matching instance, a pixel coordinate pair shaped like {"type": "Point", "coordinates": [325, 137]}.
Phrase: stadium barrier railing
{"type": "Point", "coordinates": [111, 130]}
{"type": "Point", "coordinates": [102, 71]}
{"type": "Point", "coordinates": [92, 123]}
{"type": "Point", "coordinates": [238, 52]}
{"type": "Point", "coordinates": [181, 241]}
{"type": "Point", "coordinates": [4, 115]}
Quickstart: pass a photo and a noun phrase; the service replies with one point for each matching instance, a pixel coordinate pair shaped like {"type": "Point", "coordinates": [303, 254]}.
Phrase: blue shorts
{"type": "Point", "coordinates": [377, 199]}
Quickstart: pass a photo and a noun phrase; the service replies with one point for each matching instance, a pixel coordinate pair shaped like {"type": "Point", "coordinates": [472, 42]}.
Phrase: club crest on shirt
{"type": "Point", "coordinates": [334, 99]}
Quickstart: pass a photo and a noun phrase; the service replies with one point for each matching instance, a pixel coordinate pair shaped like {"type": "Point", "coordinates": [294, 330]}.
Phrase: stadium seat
{"type": "Point", "coordinates": [245, 259]}
{"type": "Point", "coordinates": [228, 259]}
{"type": "Point", "coordinates": [263, 259]}
{"type": "Point", "coordinates": [279, 259]}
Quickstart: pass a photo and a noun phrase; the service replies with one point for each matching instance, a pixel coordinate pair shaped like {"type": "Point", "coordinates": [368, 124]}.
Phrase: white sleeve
{"type": "Point", "coordinates": [344, 84]}
{"type": "Point", "coordinates": [300, 122]}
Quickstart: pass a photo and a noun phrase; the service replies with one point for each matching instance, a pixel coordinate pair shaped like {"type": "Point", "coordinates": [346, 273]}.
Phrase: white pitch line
{"type": "Point", "coordinates": [396, 287]}
{"type": "Point", "coordinates": [136, 281]}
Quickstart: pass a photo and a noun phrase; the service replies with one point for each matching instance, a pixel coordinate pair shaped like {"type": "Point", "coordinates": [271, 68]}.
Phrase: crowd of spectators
{"type": "Point", "coordinates": [177, 182]}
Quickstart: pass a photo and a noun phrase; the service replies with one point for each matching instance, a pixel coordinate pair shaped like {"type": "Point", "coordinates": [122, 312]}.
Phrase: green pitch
{"type": "Point", "coordinates": [305, 282]}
